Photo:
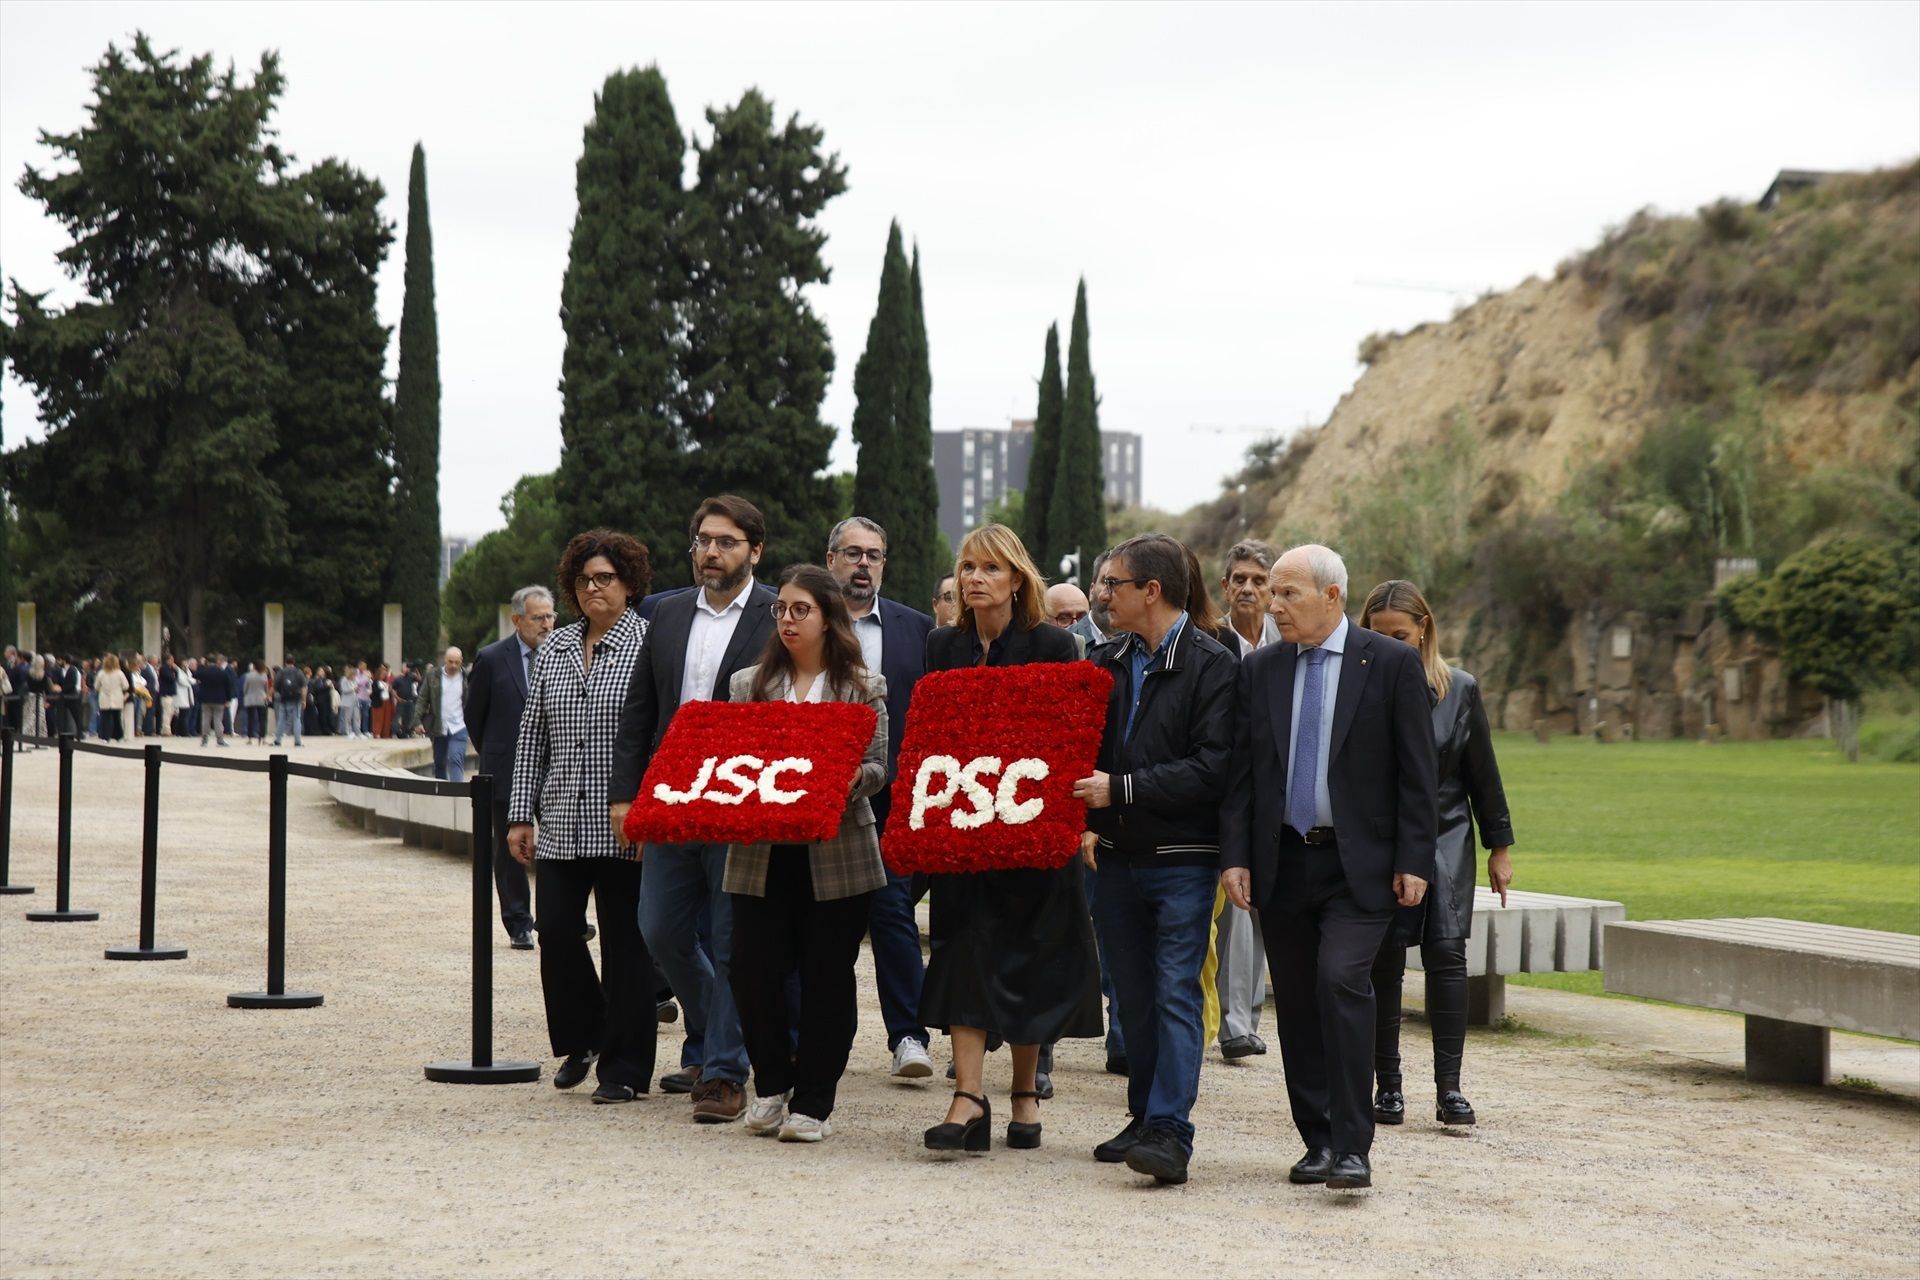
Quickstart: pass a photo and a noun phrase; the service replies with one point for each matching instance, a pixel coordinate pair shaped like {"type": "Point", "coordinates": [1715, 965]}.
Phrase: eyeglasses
{"type": "Point", "coordinates": [1114, 584]}
{"type": "Point", "coordinates": [1067, 617]}
{"type": "Point", "coordinates": [945, 597]}
{"type": "Point", "coordinates": [726, 546]}
{"type": "Point", "coordinates": [862, 555]}
{"type": "Point", "coordinates": [799, 611]}
{"type": "Point", "coordinates": [598, 581]}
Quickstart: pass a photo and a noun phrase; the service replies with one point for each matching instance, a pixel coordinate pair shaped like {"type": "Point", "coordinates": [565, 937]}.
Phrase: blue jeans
{"type": "Point", "coordinates": [679, 889]}
{"type": "Point", "coordinates": [449, 754]}
{"type": "Point", "coordinates": [898, 969]}
{"type": "Point", "coordinates": [286, 712]}
{"type": "Point", "coordinates": [1153, 924]}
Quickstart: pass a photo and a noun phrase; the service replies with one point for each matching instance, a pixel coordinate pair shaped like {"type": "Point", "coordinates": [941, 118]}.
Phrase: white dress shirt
{"type": "Point", "coordinates": [453, 703]}
{"type": "Point", "coordinates": [817, 693]}
{"type": "Point", "coordinates": [1335, 645]}
{"type": "Point", "coordinates": [867, 629]}
{"type": "Point", "coordinates": [1269, 634]}
{"type": "Point", "coordinates": [707, 641]}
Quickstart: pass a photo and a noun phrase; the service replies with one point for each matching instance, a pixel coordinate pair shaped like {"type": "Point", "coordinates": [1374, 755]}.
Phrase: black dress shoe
{"type": "Point", "coordinates": [615, 1093]}
{"type": "Point", "coordinates": [1240, 1047]}
{"type": "Point", "coordinates": [1454, 1108]}
{"type": "Point", "coordinates": [1312, 1167]}
{"type": "Point", "coordinates": [1043, 1085]}
{"type": "Point", "coordinates": [590, 934]}
{"type": "Point", "coordinates": [681, 1081]}
{"type": "Point", "coordinates": [1389, 1106]}
{"type": "Point", "coordinates": [574, 1069]}
{"type": "Point", "coordinates": [1117, 1064]}
{"type": "Point", "coordinates": [1114, 1149]}
{"type": "Point", "coordinates": [1349, 1173]}
{"type": "Point", "coordinates": [1159, 1154]}
{"type": "Point", "coordinates": [523, 940]}
{"type": "Point", "coordinates": [666, 1011]}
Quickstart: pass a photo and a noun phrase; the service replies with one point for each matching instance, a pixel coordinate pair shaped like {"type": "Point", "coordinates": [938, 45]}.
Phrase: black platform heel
{"type": "Point", "coordinates": [975, 1135]}
{"type": "Point", "coordinates": [1024, 1137]}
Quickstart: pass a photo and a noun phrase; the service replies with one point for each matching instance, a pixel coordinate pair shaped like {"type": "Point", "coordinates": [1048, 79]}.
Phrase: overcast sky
{"type": "Point", "coordinates": [1248, 190]}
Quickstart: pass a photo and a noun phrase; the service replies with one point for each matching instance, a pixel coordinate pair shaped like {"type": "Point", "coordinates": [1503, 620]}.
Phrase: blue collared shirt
{"type": "Point", "coordinates": [1139, 658]}
{"type": "Point", "coordinates": [1335, 646]}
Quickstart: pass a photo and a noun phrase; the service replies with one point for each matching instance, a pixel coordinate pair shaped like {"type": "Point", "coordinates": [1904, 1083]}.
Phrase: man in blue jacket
{"type": "Point", "coordinates": [215, 689]}
{"type": "Point", "coordinates": [498, 696]}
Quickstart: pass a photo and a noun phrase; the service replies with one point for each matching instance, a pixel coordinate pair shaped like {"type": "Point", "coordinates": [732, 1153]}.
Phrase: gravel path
{"type": "Point", "coordinates": [147, 1130]}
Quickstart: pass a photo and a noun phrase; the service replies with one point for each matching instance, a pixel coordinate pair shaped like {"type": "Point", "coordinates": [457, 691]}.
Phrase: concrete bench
{"type": "Point", "coordinates": [1533, 933]}
{"type": "Point", "coordinates": [1793, 980]}
{"type": "Point", "coordinates": [438, 822]}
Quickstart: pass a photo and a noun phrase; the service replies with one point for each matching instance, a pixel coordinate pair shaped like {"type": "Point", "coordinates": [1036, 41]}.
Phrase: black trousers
{"type": "Point", "coordinates": [784, 933]}
{"type": "Point", "coordinates": [1321, 946]}
{"type": "Point", "coordinates": [1445, 961]}
{"type": "Point", "coordinates": [510, 879]}
{"type": "Point", "coordinates": [585, 1010]}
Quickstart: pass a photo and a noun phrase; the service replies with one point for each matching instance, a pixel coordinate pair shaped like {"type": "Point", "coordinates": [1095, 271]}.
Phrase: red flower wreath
{"type": "Point", "coordinates": [987, 767]}
{"type": "Point", "coordinates": [752, 772]}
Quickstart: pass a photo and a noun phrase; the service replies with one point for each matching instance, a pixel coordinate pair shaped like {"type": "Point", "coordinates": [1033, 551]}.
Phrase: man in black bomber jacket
{"type": "Point", "coordinates": [1154, 841]}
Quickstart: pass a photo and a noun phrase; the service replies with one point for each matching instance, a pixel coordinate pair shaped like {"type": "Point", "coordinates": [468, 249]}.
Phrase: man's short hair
{"type": "Point", "coordinates": [1253, 549]}
{"type": "Point", "coordinates": [861, 522]}
{"type": "Point", "coordinates": [736, 509]}
{"type": "Point", "coordinates": [526, 596]}
{"type": "Point", "coordinates": [1328, 569]}
{"type": "Point", "coordinates": [1160, 558]}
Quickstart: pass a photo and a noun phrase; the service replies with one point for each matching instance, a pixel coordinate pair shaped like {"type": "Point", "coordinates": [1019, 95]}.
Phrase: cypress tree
{"type": "Point", "coordinates": [414, 569]}
{"type": "Point", "coordinates": [884, 387]}
{"type": "Point", "coordinates": [623, 457]}
{"type": "Point", "coordinates": [1045, 459]}
{"type": "Point", "coordinates": [9, 615]}
{"type": "Point", "coordinates": [916, 565]}
{"type": "Point", "coordinates": [1077, 510]}
{"type": "Point", "coordinates": [757, 357]}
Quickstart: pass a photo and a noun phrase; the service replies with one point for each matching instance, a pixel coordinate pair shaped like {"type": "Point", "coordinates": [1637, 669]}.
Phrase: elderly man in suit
{"type": "Point", "coordinates": [893, 643]}
{"type": "Point", "coordinates": [697, 640]}
{"type": "Point", "coordinates": [497, 696]}
{"type": "Point", "coordinates": [1330, 823]}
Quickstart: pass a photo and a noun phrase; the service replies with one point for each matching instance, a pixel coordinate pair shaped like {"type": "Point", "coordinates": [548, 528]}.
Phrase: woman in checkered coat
{"type": "Point", "coordinates": [803, 907]}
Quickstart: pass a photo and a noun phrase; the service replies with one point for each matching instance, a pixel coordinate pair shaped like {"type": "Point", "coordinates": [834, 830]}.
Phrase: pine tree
{"type": "Point", "coordinates": [1045, 459]}
{"type": "Point", "coordinates": [1077, 510]}
{"type": "Point", "coordinates": [414, 569]}
{"type": "Point", "coordinates": [917, 564]}
{"type": "Point", "coordinates": [623, 455]}
{"type": "Point", "coordinates": [886, 382]}
{"type": "Point", "coordinates": [757, 358]}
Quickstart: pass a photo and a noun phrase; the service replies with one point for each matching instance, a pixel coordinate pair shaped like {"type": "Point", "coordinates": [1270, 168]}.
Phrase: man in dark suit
{"type": "Point", "coordinates": [893, 642]}
{"type": "Point", "coordinates": [1330, 823]}
{"type": "Point", "coordinates": [695, 642]}
{"type": "Point", "coordinates": [496, 695]}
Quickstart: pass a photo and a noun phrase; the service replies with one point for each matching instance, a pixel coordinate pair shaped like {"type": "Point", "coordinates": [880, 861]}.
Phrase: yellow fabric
{"type": "Point", "coordinates": [1210, 973]}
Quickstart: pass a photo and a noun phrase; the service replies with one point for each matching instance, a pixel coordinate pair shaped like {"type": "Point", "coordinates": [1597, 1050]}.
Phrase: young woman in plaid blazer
{"type": "Point", "coordinates": [801, 907]}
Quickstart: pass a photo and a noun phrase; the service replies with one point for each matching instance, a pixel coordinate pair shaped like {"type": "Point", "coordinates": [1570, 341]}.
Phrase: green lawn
{"type": "Point", "coordinates": [1678, 830]}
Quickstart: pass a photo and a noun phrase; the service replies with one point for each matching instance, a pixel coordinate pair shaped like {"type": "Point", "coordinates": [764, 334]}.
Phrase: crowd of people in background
{"type": "Point", "coordinates": [121, 696]}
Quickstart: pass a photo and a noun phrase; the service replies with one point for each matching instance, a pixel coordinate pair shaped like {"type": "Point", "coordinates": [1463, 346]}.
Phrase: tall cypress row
{"type": "Point", "coordinates": [1077, 510]}
{"type": "Point", "coordinates": [892, 425]}
{"type": "Point", "coordinates": [916, 565]}
{"type": "Point", "coordinates": [1045, 458]}
{"type": "Point", "coordinates": [623, 456]}
{"type": "Point", "coordinates": [414, 570]}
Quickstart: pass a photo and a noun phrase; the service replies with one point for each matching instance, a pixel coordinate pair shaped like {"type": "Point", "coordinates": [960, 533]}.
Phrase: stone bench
{"type": "Point", "coordinates": [1533, 933]}
{"type": "Point", "coordinates": [1793, 980]}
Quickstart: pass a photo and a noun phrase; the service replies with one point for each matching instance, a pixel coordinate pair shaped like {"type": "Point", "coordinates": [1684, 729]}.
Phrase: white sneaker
{"type": "Point", "coordinates": [910, 1060]}
{"type": "Point", "coordinates": [799, 1128]}
{"type": "Point", "coordinates": [766, 1115]}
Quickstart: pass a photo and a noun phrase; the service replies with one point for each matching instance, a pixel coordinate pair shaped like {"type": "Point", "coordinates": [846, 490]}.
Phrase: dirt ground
{"type": "Point", "coordinates": [148, 1130]}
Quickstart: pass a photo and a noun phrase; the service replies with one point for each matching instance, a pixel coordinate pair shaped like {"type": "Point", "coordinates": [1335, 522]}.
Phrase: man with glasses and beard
{"type": "Point", "coordinates": [697, 640]}
{"type": "Point", "coordinates": [893, 643]}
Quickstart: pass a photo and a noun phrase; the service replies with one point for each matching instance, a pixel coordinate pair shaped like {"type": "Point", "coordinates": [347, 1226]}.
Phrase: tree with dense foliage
{"type": "Point", "coordinates": [1077, 507]}
{"type": "Point", "coordinates": [915, 564]}
{"type": "Point", "coordinates": [209, 270]}
{"type": "Point", "coordinates": [414, 571]}
{"type": "Point", "coordinates": [9, 616]}
{"type": "Point", "coordinates": [521, 554]}
{"type": "Point", "coordinates": [892, 426]}
{"type": "Point", "coordinates": [1045, 458]}
{"type": "Point", "coordinates": [757, 357]}
{"type": "Point", "coordinates": [624, 461]}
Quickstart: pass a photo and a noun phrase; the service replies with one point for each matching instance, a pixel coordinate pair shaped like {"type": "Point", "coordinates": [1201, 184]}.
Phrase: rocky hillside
{"type": "Point", "coordinates": [1568, 465]}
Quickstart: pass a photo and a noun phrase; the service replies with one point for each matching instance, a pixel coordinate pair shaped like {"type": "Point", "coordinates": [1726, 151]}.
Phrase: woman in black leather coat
{"type": "Point", "coordinates": [1470, 795]}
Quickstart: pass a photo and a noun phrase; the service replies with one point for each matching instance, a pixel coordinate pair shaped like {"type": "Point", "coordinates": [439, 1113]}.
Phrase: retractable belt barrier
{"type": "Point", "coordinates": [479, 1069]}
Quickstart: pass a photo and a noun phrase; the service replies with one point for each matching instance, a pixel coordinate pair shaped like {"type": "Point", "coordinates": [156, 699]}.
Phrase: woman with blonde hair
{"type": "Point", "coordinates": [1470, 795]}
{"type": "Point", "coordinates": [1012, 952]}
{"type": "Point", "coordinates": [110, 686]}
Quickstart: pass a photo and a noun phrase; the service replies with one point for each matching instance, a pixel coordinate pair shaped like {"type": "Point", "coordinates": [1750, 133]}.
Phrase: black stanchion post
{"type": "Point", "coordinates": [276, 996]}
{"type": "Point", "coordinates": [7, 749]}
{"type": "Point", "coordinates": [149, 873]}
{"type": "Point", "coordinates": [482, 1069]}
{"type": "Point", "coordinates": [63, 906]}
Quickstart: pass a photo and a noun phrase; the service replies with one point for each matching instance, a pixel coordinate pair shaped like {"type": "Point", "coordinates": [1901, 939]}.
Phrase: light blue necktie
{"type": "Point", "coordinates": [1301, 800]}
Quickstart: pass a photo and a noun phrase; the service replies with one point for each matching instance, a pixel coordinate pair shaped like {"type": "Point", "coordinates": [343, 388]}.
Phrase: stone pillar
{"type": "Point", "coordinates": [273, 635]}
{"type": "Point", "coordinates": [1787, 1052]}
{"type": "Point", "coordinates": [391, 643]}
{"type": "Point", "coordinates": [506, 622]}
{"type": "Point", "coordinates": [27, 625]}
{"type": "Point", "coordinates": [150, 640]}
{"type": "Point", "coordinates": [1486, 1000]}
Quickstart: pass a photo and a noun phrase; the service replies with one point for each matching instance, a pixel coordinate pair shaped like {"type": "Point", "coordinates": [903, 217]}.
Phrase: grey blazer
{"type": "Point", "coordinates": [849, 863]}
